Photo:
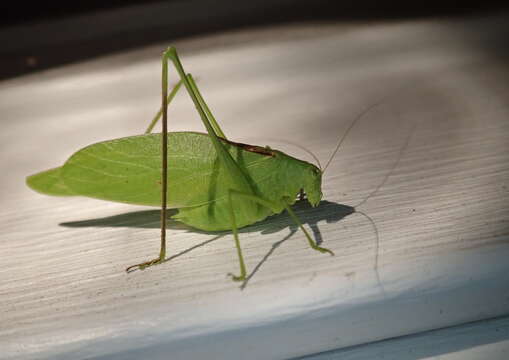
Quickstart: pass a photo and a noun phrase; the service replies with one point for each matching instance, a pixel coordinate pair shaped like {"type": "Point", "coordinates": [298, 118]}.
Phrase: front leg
{"type": "Point", "coordinates": [312, 244]}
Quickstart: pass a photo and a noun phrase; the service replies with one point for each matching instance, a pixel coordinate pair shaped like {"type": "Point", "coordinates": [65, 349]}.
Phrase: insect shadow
{"type": "Point", "coordinates": [327, 211]}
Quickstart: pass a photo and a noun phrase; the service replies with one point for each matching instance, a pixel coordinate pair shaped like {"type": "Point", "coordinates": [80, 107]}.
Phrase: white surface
{"type": "Point", "coordinates": [441, 216]}
{"type": "Point", "coordinates": [483, 340]}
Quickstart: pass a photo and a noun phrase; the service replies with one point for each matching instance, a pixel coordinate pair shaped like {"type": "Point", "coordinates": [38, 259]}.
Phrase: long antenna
{"type": "Point", "coordinates": [360, 116]}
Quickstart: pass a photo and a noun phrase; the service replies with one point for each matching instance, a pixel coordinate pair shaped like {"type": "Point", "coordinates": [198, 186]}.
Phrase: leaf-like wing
{"type": "Point", "coordinates": [49, 182]}
{"type": "Point", "coordinates": [129, 170]}
{"type": "Point", "coordinates": [124, 170]}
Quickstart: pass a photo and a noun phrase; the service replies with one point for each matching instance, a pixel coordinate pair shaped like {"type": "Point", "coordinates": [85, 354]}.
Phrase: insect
{"type": "Point", "coordinates": [216, 184]}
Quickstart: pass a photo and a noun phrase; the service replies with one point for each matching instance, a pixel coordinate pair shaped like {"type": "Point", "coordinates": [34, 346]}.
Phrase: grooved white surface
{"type": "Point", "coordinates": [441, 216]}
{"type": "Point", "coordinates": [486, 339]}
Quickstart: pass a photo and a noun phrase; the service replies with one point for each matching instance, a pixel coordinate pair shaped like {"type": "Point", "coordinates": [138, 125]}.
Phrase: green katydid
{"type": "Point", "coordinates": [216, 184]}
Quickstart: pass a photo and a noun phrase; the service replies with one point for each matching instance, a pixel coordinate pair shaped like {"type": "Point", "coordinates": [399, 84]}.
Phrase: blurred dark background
{"type": "Point", "coordinates": [44, 34]}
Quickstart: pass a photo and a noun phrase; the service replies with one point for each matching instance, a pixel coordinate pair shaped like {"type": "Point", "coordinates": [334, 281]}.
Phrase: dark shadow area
{"type": "Point", "coordinates": [327, 211]}
{"type": "Point", "coordinates": [15, 15]}
{"type": "Point", "coordinates": [41, 36]}
{"type": "Point", "coordinates": [147, 219]}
